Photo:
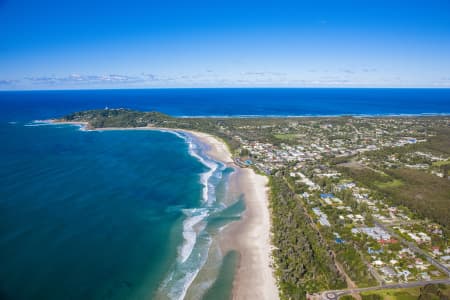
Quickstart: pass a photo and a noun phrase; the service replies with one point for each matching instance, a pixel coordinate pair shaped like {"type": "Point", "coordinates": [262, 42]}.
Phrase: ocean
{"type": "Point", "coordinates": [134, 214]}
{"type": "Point", "coordinates": [229, 102]}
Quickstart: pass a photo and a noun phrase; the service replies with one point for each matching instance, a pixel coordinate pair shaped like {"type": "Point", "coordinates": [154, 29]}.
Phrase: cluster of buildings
{"type": "Point", "coordinates": [313, 140]}
{"type": "Point", "coordinates": [323, 219]}
{"type": "Point", "coordinates": [386, 255]}
{"type": "Point", "coordinates": [376, 233]}
{"type": "Point", "coordinates": [304, 148]}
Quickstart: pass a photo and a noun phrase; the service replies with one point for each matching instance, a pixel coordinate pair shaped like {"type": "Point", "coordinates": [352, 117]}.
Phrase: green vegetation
{"type": "Point", "coordinates": [441, 163]}
{"type": "Point", "coordinates": [438, 144]}
{"type": "Point", "coordinates": [396, 183]}
{"type": "Point", "coordinates": [396, 294]}
{"type": "Point", "coordinates": [303, 260]}
{"type": "Point", "coordinates": [310, 156]}
{"type": "Point", "coordinates": [125, 118]}
{"type": "Point", "coordinates": [353, 265]}
{"type": "Point", "coordinates": [286, 136]}
{"type": "Point", "coordinates": [424, 194]}
{"type": "Point", "coordinates": [427, 292]}
{"type": "Point", "coordinates": [118, 118]}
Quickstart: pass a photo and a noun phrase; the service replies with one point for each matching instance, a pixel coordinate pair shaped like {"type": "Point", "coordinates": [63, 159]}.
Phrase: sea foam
{"type": "Point", "coordinates": [211, 165]}
{"type": "Point", "coordinates": [37, 123]}
{"type": "Point", "coordinates": [194, 217]}
{"type": "Point", "coordinates": [204, 177]}
{"type": "Point", "coordinates": [193, 253]}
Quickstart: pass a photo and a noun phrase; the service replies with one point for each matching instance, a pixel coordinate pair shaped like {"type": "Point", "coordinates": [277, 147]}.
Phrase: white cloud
{"type": "Point", "coordinates": [91, 79]}
{"type": "Point", "coordinates": [4, 82]}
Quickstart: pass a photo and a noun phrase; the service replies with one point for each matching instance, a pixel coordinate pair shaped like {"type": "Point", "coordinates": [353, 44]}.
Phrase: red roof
{"type": "Point", "coordinates": [390, 241]}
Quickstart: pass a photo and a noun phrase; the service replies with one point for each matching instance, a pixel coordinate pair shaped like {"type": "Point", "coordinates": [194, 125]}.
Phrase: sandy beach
{"type": "Point", "coordinates": [250, 236]}
{"type": "Point", "coordinates": [217, 148]}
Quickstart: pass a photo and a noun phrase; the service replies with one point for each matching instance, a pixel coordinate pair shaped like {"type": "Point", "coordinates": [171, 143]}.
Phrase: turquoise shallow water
{"type": "Point", "coordinates": [122, 215]}
{"type": "Point", "coordinates": [97, 215]}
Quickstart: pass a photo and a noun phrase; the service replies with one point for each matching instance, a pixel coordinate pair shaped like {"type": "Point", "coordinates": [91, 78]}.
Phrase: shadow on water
{"type": "Point", "coordinates": [223, 286]}
{"type": "Point", "coordinates": [227, 215]}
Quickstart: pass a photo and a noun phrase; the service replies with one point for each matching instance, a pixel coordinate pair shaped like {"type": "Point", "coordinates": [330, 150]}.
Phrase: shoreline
{"type": "Point", "coordinates": [250, 236]}
{"type": "Point", "coordinates": [218, 150]}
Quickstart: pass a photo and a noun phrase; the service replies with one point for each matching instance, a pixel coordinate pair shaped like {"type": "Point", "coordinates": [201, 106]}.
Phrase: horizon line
{"type": "Point", "coordinates": [231, 87]}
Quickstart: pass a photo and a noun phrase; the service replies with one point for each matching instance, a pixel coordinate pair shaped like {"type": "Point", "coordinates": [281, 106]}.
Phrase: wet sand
{"type": "Point", "coordinates": [254, 278]}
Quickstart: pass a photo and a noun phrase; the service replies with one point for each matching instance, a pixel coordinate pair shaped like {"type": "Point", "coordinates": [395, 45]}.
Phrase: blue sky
{"type": "Point", "coordinates": [126, 44]}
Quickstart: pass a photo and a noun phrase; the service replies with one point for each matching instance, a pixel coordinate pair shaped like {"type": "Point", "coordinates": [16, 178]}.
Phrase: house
{"type": "Point", "coordinates": [377, 233]}
{"type": "Point", "coordinates": [323, 219]}
{"type": "Point", "coordinates": [387, 271]}
{"type": "Point", "coordinates": [425, 276]}
{"type": "Point", "coordinates": [359, 218]}
{"type": "Point", "coordinates": [420, 237]}
{"type": "Point", "coordinates": [345, 186]}
{"type": "Point", "coordinates": [405, 274]}
{"type": "Point", "coordinates": [446, 258]}
{"type": "Point", "coordinates": [325, 196]}
{"type": "Point", "coordinates": [378, 263]}
{"type": "Point", "coordinates": [339, 241]}
{"type": "Point", "coordinates": [436, 251]}
{"type": "Point", "coordinates": [406, 252]}
{"type": "Point", "coordinates": [389, 241]}
{"type": "Point", "coordinates": [435, 273]}
{"type": "Point", "coordinates": [372, 251]}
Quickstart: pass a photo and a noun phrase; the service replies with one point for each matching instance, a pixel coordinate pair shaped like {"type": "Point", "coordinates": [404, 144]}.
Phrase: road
{"type": "Point", "coordinates": [332, 295]}
{"type": "Point", "coordinates": [416, 249]}
{"type": "Point", "coordinates": [335, 294]}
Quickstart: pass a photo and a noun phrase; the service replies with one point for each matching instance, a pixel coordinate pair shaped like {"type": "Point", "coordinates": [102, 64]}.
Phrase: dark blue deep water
{"type": "Point", "coordinates": [229, 102]}
{"type": "Point", "coordinates": [107, 215]}
{"type": "Point", "coordinates": [90, 215]}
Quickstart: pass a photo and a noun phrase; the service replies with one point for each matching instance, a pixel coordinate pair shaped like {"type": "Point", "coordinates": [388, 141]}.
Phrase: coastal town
{"type": "Point", "coordinates": [392, 242]}
{"type": "Point", "coordinates": [358, 204]}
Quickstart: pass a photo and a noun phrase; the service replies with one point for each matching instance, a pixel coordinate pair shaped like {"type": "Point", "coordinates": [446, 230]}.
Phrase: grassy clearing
{"type": "Point", "coordinates": [441, 163]}
{"type": "Point", "coordinates": [393, 294]}
{"type": "Point", "coordinates": [427, 292]}
{"type": "Point", "coordinates": [396, 183]}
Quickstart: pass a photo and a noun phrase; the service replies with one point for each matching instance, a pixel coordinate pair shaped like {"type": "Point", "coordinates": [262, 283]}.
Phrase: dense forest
{"type": "Point", "coordinates": [424, 194]}
{"type": "Point", "coordinates": [303, 261]}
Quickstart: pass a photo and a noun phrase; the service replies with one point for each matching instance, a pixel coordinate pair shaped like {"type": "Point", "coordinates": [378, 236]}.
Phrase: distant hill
{"type": "Point", "coordinates": [118, 118]}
